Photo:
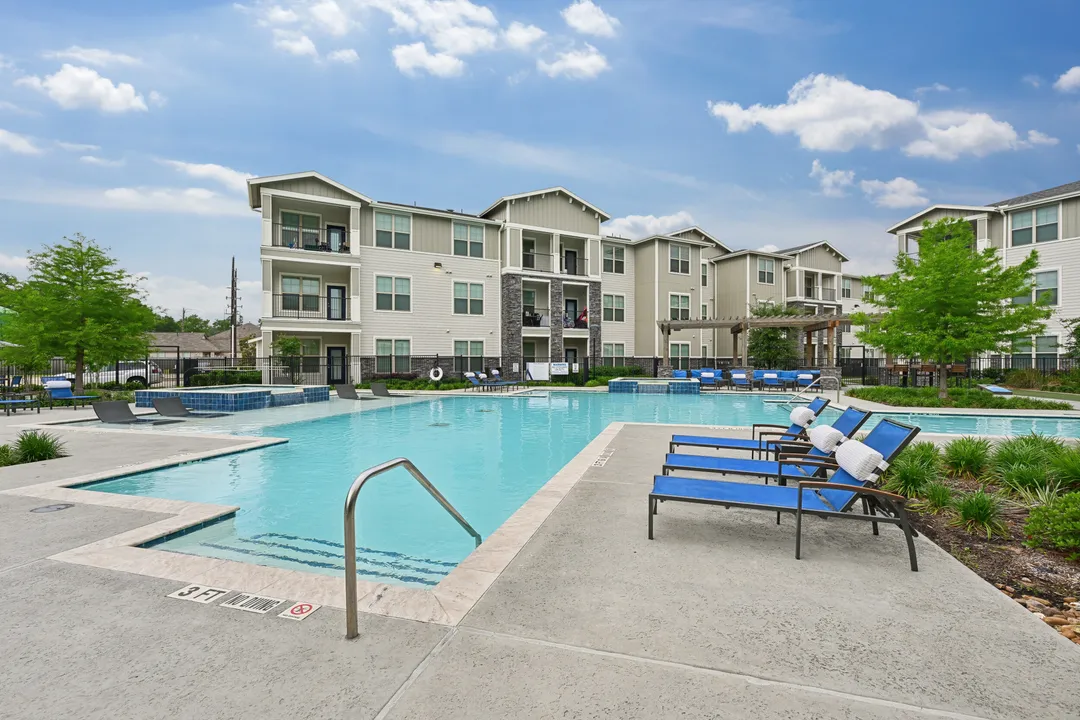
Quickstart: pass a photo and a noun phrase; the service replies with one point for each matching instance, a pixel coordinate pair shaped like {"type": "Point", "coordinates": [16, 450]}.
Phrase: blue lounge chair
{"type": "Point", "coordinates": [471, 377]}
{"type": "Point", "coordinates": [499, 381]}
{"type": "Point", "coordinates": [757, 443]}
{"type": "Point", "coordinates": [997, 390]}
{"type": "Point", "coordinates": [784, 468]}
{"type": "Point", "coordinates": [806, 378]}
{"type": "Point", "coordinates": [16, 403]}
{"type": "Point", "coordinates": [771, 379]}
{"type": "Point", "coordinates": [678, 374]}
{"type": "Point", "coordinates": [740, 380]}
{"type": "Point", "coordinates": [64, 393]}
{"type": "Point", "coordinates": [829, 499]}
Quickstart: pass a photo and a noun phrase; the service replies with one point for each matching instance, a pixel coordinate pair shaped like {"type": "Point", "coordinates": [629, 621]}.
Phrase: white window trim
{"type": "Point", "coordinates": [483, 347]}
{"type": "Point", "coordinates": [758, 271]}
{"type": "Point", "coordinates": [613, 271]}
{"type": "Point", "coordinates": [689, 306]}
{"type": "Point", "coordinates": [483, 241]}
{"type": "Point", "coordinates": [1060, 284]}
{"type": "Point", "coordinates": [281, 225]}
{"type": "Point", "coordinates": [483, 286]}
{"type": "Point", "coordinates": [847, 285]}
{"type": "Point", "coordinates": [1033, 210]}
{"type": "Point", "coordinates": [393, 356]}
{"type": "Point", "coordinates": [689, 259]}
{"type": "Point", "coordinates": [375, 293]}
{"type": "Point", "coordinates": [704, 274]}
{"type": "Point", "coordinates": [612, 296]}
{"type": "Point", "coordinates": [412, 236]}
{"type": "Point", "coordinates": [283, 274]}
{"type": "Point", "coordinates": [613, 345]}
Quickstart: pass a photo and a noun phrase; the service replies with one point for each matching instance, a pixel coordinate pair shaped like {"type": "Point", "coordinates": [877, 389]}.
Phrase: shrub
{"type": "Point", "coordinates": [936, 497]}
{"type": "Point", "coordinates": [33, 446]}
{"type": "Point", "coordinates": [1039, 494]}
{"type": "Point", "coordinates": [596, 382]}
{"type": "Point", "coordinates": [7, 456]}
{"type": "Point", "coordinates": [226, 377]}
{"type": "Point", "coordinates": [1025, 450]}
{"type": "Point", "coordinates": [1028, 379]}
{"type": "Point", "coordinates": [1065, 467]}
{"type": "Point", "coordinates": [925, 453]}
{"type": "Point", "coordinates": [1056, 525]}
{"type": "Point", "coordinates": [420, 384]}
{"type": "Point", "coordinates": [1019, 478]}
{"type": "Point", "coordinates": [909, 478]}
{"type": "Point", "coordinates": [608, 371]}
{"type": "Point", "coordinates": [967, 456]}
{"type": "Point", "coordinates": [980, 512]}
{"type": "Point", "coordinates": [958, 397]}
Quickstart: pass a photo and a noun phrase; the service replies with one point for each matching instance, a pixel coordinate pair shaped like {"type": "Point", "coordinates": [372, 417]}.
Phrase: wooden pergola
{"type": "Point", "coordinates": [740, 326]}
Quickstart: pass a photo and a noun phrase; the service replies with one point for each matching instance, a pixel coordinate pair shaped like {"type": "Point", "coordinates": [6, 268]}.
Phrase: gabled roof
{"type": "Point", "coordinates": [1072, 188]}
{"type": "Point", "coordinates": [697, 228]}
{"type": "Point", "coordinates": [187, 342]}
{"type": "Point", "coordinates": [255, 198]}
{"type": "Point", "coordinates": [433, 211]}
{"type": "Point", "coordinates": [742, 253]}
{"type": "Point", "coordinates": [244, 331]}
{"type": "Point", "coordinates": [811, 246]}
{"type": "Point", "coordinates": [604, 217]}
{"type": "Point", "coordinates": [916, 216]}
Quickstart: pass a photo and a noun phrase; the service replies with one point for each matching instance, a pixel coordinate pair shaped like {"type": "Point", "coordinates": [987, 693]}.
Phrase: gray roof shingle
{"type": "Point", "coordinates": [1065, 189]}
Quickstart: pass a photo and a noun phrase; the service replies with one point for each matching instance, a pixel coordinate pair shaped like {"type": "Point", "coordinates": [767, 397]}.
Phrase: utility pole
{"type": "Point", "coordinates": [233, 340]}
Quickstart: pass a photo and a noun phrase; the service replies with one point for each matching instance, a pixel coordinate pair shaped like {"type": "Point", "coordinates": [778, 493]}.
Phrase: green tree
{"type": "Point", "coordinates": [1072, 338]}
{"type": "Point", "coordinates": [774, 347]}
{"type": "Point", "coordinates": [165, 323]}
{"type": "Point", "coordinates": [77, 305]}
{"type": "Point", "coordinates": [219, 326]}
{"type": "Point", "coordinates": [951, 303]}
{"type": "Point", "coordinates": [289, 349]}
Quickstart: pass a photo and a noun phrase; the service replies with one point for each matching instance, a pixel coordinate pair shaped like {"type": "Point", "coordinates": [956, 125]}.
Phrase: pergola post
{"type": "Point", "coordinates": [665, 366]}
{"type": "Point", "coordinates": [830, 339]}
{"type": "Point", "coordinates": [808, 348]}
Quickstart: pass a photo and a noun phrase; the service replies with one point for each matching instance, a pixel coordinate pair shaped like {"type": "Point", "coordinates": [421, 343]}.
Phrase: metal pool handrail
{"type": "Point", "coordinates": [351, 630]}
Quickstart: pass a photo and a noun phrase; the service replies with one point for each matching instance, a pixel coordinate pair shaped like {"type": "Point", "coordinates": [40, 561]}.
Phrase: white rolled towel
{"type": "Point", "coordinates": [58, 384]}
{"type": "Point", "coordinates": [708, 375]}
{"type": "Point", "coordinates": [860, 461]}
{"type": "Point", "coordinates": [825, 438]}
{"type": "Point", "coordinates": [805, 376]}
{"type": "Point", "coordinates": [738, 376]}
{"type": "Point", "coordinates": [770, 376]}
{"type": "Point", "coordinates": [802, 416]}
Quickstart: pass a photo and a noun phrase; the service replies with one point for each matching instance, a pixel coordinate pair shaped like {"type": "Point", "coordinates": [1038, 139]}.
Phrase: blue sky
{"type": "Point", "coordinates": [767, 123]}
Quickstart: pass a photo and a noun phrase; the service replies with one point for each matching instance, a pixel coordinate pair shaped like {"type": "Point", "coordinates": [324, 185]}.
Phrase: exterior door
{"type": "Point", "coordinates": [335, 302]}
{"type": "Point", "coordinates": [337, 238]}
{"type": "Point", "coordinates": [571, 355]}
{"type": "Point", "coordinates": [570, 259]}
{"type": "Point", "coordinates": [335, 366]}
{"type": "Point", "coordinates": [571, 312]}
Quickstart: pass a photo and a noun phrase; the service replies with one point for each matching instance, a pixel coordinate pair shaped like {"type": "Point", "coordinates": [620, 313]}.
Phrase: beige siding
{"type": "Point", "coordinates": [1070, 218]}
{"type": "Point", "coordinates": [311, 186]}
{"type": "Point", "coordinates": [820, 258]}
{"type": "Point", "coordinates": [431, 234]}
{"type": "Point", "coordinates": [554, 211]}
{"type": "Point", "coordinates": [367, 226]}
{"type": "Point", "coordinates": [432, 313]}
{"type": "Point", "coordinates": [729, 292]}
{"type": "Point", "coordinates": [996, 231]}
{"type": "Point", "coordinates": [492, 249]}
{"type": "Point", "coordinates": [981, 229]}
{"type": "Point", "coordinates": [691, 234]}
{"type": "Point", "coordinates": [498, 212]}
{"type": "Point", "coordinates": [933, 216]}
{"type": "Point", "coordinates": [684, 285]}
{"type": "Point", "coordinates": [1065, 258]}
{"type": "Point", "coordinates": [644, 297]}
{"type": "Point", "coordinates": [594, 256]}
{"type": "Point", "coordinates": [329, 214]}
{"type": "Point", "coordinates": [515, 248]}
{"type": "Point", "coordinates": [624, 284]}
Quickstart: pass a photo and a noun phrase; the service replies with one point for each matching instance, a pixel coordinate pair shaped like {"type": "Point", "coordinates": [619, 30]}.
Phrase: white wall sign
{"type": "Point", "coordinates": [199, 593]}
{"type": "Point", "coordinates": [576, 367]}
{"type": "Point", "coordinates": [560, 368]}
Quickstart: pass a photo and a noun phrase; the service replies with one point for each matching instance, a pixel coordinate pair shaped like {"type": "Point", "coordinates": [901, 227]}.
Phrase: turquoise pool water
{"type": "Point", "coordinates": [487, 455]}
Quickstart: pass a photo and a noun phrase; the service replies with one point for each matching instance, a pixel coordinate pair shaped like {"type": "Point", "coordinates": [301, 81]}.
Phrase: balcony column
{"type": "Point", "coordinates": [268, 288]}
{"type": "Point", "coordinates": [266, 347]}
{"type": "Point", "coordinates": [354, 294]}
{"type": "Point", "coordinates": [354, 231]}
{"type": "Point", "coordinates": [556, 253]}
{"type": "Point", "coordinates": [267, 219]}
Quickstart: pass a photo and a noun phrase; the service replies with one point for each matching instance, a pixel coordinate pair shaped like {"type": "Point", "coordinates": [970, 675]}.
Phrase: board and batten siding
{"type": "Point", "coordinates": [685, 285]}
{"type": "Point", "coordinates": [1070, 218]}
{"type": "Point", "coordinates": [765, 292]}
{"type": "Point", "coordinates": [1065, 258]}
{"type": "Point", "coordinates": [995, 230]}
{"type": "Point", "coordinates": [729, 292]}
{"type": "Point", "coordinates": [622, 284]}
{"type": "Point", "coordinates": [820, 258]}
{"type": "Point", "coordinates": [311, 186]}
{"type": "Point", "coordinates": [644, 297]}
{"type": "Point", "coordinates": [432, 325]}
{"type": "Point", "coordinates": [557, 211]}
{"type": "Point", "coordinates": [329, 214]}
{"type": "Point", "coordinates": [933, 216]}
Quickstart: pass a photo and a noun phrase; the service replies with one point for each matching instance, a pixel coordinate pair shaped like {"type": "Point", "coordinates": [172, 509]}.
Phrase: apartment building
{"type": "Point", "coordinates": [1047, 221]}
{"type": "Point", "coordinates": [531, 278]}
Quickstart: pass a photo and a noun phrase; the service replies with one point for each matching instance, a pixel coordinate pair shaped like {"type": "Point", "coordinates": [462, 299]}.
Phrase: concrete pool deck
{"type": "Point", "coordinates": [713, 618]}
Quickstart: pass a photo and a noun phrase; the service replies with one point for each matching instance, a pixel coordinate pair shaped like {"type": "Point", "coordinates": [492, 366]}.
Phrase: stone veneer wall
{"type": "Point", "coordinates": [556, 352]}
{"type": "Point", "coordinates": [511, 327]}
{"type": "Point", "coordinates": [596, 316]}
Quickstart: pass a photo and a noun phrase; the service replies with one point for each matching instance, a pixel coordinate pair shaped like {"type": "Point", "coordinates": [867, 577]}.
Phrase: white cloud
{"type": "Point", "coordinates": [936, 87]}
{"type": "Point", "coordinates": [6, 64]}
{"type": "Point", "coordinates": [410, 59]}
{"type": "Point", "coordinates": [76, 147]}
{"type": "Point", "coordinates": [14, 265]}
{"type": "Point", "coordinates": [896, 193]}
{"type": "Point", "coordinates": [770, 248]}
{"type": "Point", "coordinates": [11, 107]}
{"type": "Point", "coordinates": [1037, 138]}
{"type": "Point", "coordinates": [831, 113]}
{"type": "Point", "coordinates": [453, 27]}
{"type": "Point", "coordinates": [175, 294]}
{"type": "Point", "coordinates": [635, 227]}
{"type": "Point", "coordinates": [1032, 80]}
{"type": "Point", "coordinates": [347, 56]}
{"type": "Point", "coordinates": [197, 201]}
{"type": "Point", "coordinates": [80, 87]}
{"type": "Point", "coordinates": [92, 56]}
{"type": "Point", "coordinates": [329, 16]}
{"type": "Point", "coordinates": [832, 182]}
{"type": "Point", "coordinates": [1069, 80]}
{"type": "Point", "coordinates": [294, 43]}
{"type": "Point", "coordinates": [587, 18]}
{"type": "Point", "coordinates": [18, 144]}
{"type": "Point", "coordinates": [276, 15]}
{"type": "Point", "coordinates": [522, 37]}
{"type": "Point", "coordinates": [576, 64]}
{"type": "Point", "coordinates": [100, 162]}
{"type": "Point", "coordinates": [157, 99]}
{"type": "Point", "coordinates": [232, 179]}
{"type": "Point", "coordinates": [464, 40]}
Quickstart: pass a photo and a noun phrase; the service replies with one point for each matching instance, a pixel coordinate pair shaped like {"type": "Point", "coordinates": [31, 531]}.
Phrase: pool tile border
{"type": "Point", "coordinates": [446, 604]}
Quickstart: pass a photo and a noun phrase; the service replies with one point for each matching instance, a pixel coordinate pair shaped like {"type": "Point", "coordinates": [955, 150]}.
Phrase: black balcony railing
{"type": "Point", "coordinates": [331, 238]}
{"type": "Point", "coordinates": [538, 261]}
{"type": "Point", "coordinates": [828, 294]}
{"type": "Point", "coordinates": [574, 266]}
{"type": "Point", "coordinates": [535, 317]}
{"type": "Point", "coordinates": [313, 307]}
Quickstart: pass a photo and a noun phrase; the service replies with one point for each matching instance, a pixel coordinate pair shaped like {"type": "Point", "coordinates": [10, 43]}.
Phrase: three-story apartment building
{"type": "Point", "coordinates": [531, 278]}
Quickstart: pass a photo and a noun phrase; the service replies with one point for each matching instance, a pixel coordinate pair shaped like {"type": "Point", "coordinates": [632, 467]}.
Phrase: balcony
{"type": "Point", "coordinates": [331, 239]}
{"type": "Point", "coordinates": [540, 262]}
{"type": "Point", "coordinates": [535, 317]}
{"type": "Point", "coordinates": [575, 266]}
{"type": "Point", "coordinates": [823, 294]}
{"type": "Point", "coordinates": [311, 307]}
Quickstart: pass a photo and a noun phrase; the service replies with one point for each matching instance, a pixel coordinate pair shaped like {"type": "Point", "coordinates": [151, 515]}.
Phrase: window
{"type": "Point", "coordinates": [299, 231]}
{"type": "Point", "coordinates": [808, 285]}
{"type": "Point", "coordinates": [392, 230]}
{"type": "Point", "coordinates": [766, 271]}
{"type": "Point", "coordinates": [1021, 354]}
{"type": "Point", "coordinates": [528, 301]}
{"type": "Point", "coordinates": [1046, 287]}
{"type": "Point", "coordinates": [680, 259]}
{"type": "Point", "coordinates": [1040, 224]}
{"type": "Point", "coordinates": [299, 293]}
{"type": "Point", "coordinates": [528, 350]}
{"type": "Point", "coordinates": [392, 356]}
{"type": "Point", "coordinates": [393, 293]}
{"type": "Point", "coordinates": [613, 353]}
{"type": "Point", "coordinates": [469, 240]}
{"type": "Point", "coordinates": [614, 259]}
{"type": "Point", "coordinates": [468, 298]}
{"type": "Point", "coordinates": [614, 308]}
{"type": "Point", "coordinates": [704, 311]}
{"type": "Point", "coordinates": [704, 274]}
{"type": "Point", "coordinates": [469, 355]}
{"type": "Point", "coordinates": [309, 349]}
{"type": "Point", "coordinates": [680, 356]}
{"type": "Point", "coordinates": [680, 306]}
{"type": "Point", "coordinates": [704, 350]}
{"type": "Point", "coordinates": [845, 288]}
{"type": "Point", "coordinates": [1046, 349]}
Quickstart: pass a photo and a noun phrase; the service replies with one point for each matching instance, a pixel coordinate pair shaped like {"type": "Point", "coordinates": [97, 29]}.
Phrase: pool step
{"type": "Point", "coordinates": [309, 553]}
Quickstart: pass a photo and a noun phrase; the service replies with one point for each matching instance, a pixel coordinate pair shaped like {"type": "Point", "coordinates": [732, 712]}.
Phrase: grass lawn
{"type": "Point", "coordinates": [958, 398]}
{"type": "Point", "coordinates": [1048, 394]}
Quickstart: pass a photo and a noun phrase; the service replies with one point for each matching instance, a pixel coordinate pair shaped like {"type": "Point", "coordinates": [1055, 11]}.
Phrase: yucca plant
{"type": "Point", "coordinates": [980, 512]}
{"type": "Point", "coordinates": [967, 456]}
{"type": "Point", "coordinates": [936, 497]}
{"type": "Point", "coordinates": [34, 446]}
{"type": "Point", "coordinates": [1039, 495]}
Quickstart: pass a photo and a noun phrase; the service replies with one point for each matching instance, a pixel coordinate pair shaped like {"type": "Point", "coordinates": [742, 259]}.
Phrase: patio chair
{"type": "Point", "coordinates": [860, 465]}
{"type": "Point", "coordinates": [12, 404]}
{"type": "Point", "coordinates": [740, 380]}
{"type": "Point", "coordinates": [678, 374]}
{"type": "Point", "coordinates": [757, 443]}
{"type": "Point", "coordinates": [348, 392]}
{"type": "Point", "coordinates": [707, 378]}
{"type": "Point", "coordinates": [786, 466]}
{"type": "Point", "coordinates": [61, 390]}
{"type": "Point", "coordinates": [499, 381]}
{"type": "Point", "coordinates": [771, 380]}
{"type": "Point", "coordinates": [117, 412]}
{"type": "Point", "coordinates": [471, 377]}
{"type": "Point", "coordinates": [805, 379]}
{"type": "Point", "coordinates": [174, 407]}
{"type": "Point", "coordinates": [378, 389]}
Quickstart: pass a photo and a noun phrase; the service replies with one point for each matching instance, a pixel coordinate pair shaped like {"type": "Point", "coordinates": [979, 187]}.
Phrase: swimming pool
{"type": "Point", "coordinates": [487, 455]}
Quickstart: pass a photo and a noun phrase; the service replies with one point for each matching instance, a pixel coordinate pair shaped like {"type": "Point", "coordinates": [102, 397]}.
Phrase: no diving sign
{"type": "Point", "coordinates": [299, 611]}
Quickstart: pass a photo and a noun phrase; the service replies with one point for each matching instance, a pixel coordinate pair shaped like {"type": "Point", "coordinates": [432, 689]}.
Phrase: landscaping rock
{"type": "Point", "coordinates": [1054, 620]}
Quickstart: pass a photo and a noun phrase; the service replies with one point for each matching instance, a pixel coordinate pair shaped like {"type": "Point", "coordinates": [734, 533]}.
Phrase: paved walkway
{"type": "Point", "coordinates": [714, 618]}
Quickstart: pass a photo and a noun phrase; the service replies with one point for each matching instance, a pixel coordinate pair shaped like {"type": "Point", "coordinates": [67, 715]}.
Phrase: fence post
{"type": "Point", "coordinates": [585, 370]}
{"type": "Point", "coordinates": [655, 365]}
{"type": "Point", "coordinates": [117, 372]}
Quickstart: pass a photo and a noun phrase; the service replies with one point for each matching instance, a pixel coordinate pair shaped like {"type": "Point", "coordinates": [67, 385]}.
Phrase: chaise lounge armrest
{"type": "Point", "coordinates": [857, 489]}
